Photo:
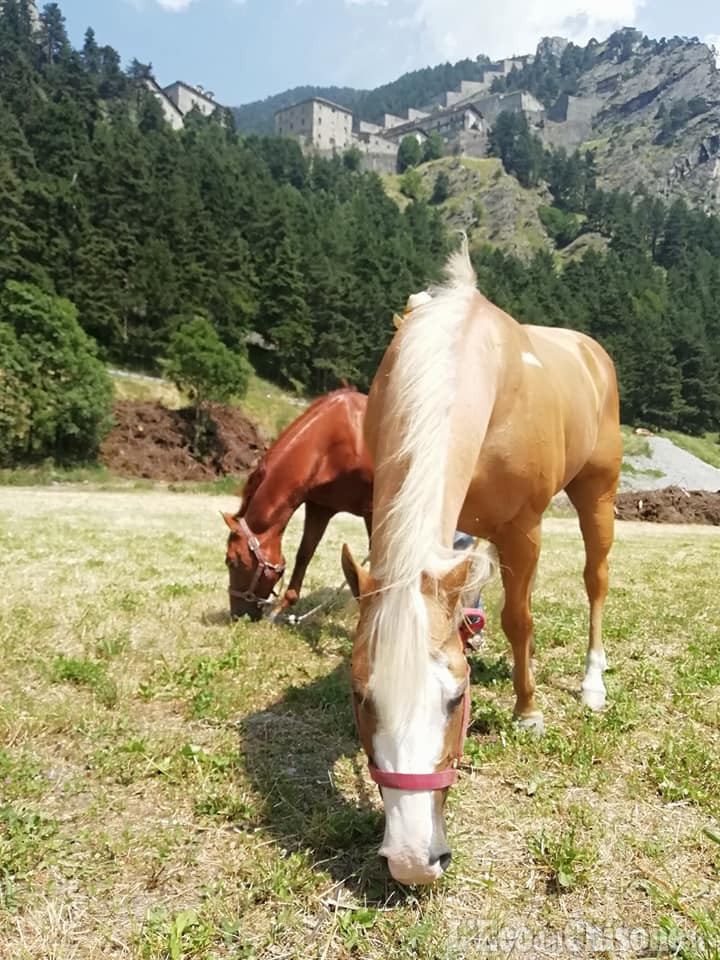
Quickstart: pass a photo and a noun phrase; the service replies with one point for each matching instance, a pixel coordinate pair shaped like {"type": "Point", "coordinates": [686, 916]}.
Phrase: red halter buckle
{"type": "Point", "coordinates": [473, 623]}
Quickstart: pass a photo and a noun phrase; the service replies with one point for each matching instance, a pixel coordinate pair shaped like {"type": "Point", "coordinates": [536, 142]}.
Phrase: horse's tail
{"type": "Point", "coordinates": [459, 269]}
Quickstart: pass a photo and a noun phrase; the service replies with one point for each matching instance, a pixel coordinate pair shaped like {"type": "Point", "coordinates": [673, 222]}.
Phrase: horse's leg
{"type": "Point", "coordinates": [593, 496]}
{"type": "Point", "coordinates": [316, 521]}
{"type": "Point", "coordinates": [518, 547]}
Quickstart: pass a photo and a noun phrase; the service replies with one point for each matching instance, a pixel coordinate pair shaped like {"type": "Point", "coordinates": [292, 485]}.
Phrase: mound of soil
{"type": "Point", "coordinates": [151, 441]}
{"type": "Point", "coordinates": [669, 505]}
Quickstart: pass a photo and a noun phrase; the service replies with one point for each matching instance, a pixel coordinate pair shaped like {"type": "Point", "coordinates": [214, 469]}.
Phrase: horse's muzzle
{"type": "Point", "coordinates": [250, 611]}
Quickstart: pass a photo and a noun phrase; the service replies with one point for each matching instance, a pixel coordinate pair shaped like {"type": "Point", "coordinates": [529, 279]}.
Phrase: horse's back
{"type": "Point", "coordinates": [588, 388]}
{"type": "Point", "coordinates": [342, 478]}
{"type": "Point", "coordinates": [555, 412]}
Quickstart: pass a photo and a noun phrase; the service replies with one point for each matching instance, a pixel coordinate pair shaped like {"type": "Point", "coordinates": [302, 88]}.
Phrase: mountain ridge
{"type": "Point", "coordinates": [649, 109]}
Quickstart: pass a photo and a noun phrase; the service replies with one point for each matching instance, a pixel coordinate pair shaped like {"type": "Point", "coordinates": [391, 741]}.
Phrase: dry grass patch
{"type": "Point", "coordinates": [174, 786]}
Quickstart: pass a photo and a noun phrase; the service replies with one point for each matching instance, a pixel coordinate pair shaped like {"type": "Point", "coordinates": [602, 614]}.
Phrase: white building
{"type": "Point", "coordinates": [448, 123]}
{"type": "Point", "coordinates": [185, 97]}
{"type": "Point", "coordinates": [172, 113]}
{"type": "Point", "coordinates": [32, 10]}
{"type": "Point", "coordinates": [317, 123]}
{"type": "Point", "coordinates": [178, 99]}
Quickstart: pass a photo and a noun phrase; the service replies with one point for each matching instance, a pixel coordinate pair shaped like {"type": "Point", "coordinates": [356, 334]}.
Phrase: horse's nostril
{"type": "Point", "coordinates": [443, 860]}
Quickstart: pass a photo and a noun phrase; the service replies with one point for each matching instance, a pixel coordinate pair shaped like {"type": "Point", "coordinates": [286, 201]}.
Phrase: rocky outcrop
{"type": "Point", "coordinates": [552, 46]}
{"type": "Point", "coordinates": [620, 111]}
{"type": "Point", "coordinates": [490, 205]}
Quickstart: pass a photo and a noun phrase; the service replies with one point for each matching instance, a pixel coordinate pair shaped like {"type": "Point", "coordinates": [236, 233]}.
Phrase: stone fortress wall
{"type": "Point", "coordinates": [462, 117]}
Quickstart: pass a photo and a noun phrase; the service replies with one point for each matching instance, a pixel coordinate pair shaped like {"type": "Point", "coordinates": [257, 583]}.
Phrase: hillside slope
{"type": "Point", "coordinates": [486, 202]}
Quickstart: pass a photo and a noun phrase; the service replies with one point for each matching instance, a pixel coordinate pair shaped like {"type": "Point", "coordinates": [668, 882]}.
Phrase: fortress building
{"type": "Point", "coordinates": [461, 117]}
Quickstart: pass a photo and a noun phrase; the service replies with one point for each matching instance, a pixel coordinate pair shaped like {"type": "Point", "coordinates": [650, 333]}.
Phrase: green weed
{"type": "Point", "coordinates": [24, 842]}
{"type": "Point", "coordinates": [85, 673]}
{"type": "Point", "coordinates": [566, 860]}
{"type": "Point", "coordinates": [685, 767]}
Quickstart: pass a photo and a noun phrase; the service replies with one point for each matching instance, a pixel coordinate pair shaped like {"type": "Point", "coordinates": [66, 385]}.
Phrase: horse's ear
{"type": "Point", "coordinates": [453, 582]}
{"type": "Point", "coordinates": [398, 321]}
{"type": "Point", "coordinates": [230, 521]}
{"type": "Point", "coordinates": [358, 579]}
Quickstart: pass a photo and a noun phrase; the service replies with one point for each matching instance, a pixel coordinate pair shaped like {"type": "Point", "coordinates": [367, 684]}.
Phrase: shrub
{"type": "Point", "coordinates": [14, 404]}
{"type": "Point", "coordinates": [55, 395]}
{"type": "Point", "coordinates": [562, 227]}
{"type": "Point", "coordinates": [200, 364]}
{"type": "Point", "coordinates": [433, 148]}
{"type": "Point", "coordinates": [441, 190]}
{"type": "Point", "coordinates": [411, 185]}
{"type": "Point", "coordinates": [410, 153]}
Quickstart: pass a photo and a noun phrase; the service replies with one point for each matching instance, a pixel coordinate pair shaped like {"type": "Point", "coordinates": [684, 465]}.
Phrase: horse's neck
{"type": "Point", "coordinates": [474, 389]}
{"type": "Point", "coordinates": [279, 494]}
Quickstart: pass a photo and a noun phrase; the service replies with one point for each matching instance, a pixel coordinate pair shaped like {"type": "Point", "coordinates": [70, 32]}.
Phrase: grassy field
{"type": "Point", "coordinates": [173, 786]}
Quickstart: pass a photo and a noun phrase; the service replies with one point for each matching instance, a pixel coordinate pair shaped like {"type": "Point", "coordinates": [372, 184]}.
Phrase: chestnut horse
{"type": "Point", "coordinates": [473, 421]}
{"type": "Point", "coordinates": [319, 460]}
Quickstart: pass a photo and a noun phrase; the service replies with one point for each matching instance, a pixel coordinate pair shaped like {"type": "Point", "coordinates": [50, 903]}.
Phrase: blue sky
{"type": "Point", "coordinates": [247, 49]}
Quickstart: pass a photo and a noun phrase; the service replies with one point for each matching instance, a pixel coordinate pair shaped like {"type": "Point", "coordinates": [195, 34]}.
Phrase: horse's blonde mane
{"type": "Point", "coordinates": [419, 399]}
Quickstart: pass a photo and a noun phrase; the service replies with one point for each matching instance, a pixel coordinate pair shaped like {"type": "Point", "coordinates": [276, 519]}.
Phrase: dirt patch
{"type": "Point", "coordinates": [669, 505]}
{"type": "Point", "coordinates": [151, 441]}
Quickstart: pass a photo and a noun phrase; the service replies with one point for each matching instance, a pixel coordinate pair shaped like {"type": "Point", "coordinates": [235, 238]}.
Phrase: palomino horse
{"type": "Point", "coordinates": [319, 460]}
{"type": "Point", "coordinates": [473, 421]}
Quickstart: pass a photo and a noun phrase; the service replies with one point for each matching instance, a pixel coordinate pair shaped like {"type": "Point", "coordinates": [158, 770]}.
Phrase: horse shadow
{"type": "Point", "coordinates": [302, 758]}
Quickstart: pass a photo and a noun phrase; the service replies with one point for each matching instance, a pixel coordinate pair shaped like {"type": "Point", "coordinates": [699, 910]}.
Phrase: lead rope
{"type": "Point", "coordinates": [295, 621]}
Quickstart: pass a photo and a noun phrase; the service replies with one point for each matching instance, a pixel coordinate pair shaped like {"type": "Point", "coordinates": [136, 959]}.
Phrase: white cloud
{"type": "Point", "coordinates": [366, 3]}
{"type": "Point", "coordinates": [451, 29]}
{"type": "Point", "coordinates": [177, 5]}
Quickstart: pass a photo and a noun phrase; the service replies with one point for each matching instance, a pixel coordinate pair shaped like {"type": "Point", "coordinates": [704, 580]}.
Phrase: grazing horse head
{"type": "Point", "coordinates": [255, 568]}
{"type": "Point", "coordinates": [411, 705]}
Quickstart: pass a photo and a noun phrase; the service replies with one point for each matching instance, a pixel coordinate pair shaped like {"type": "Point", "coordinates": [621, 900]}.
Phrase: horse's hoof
{"type": "Point", "coordinates": [532, 722]}
{"type": "Point", "coordinates": [594, 698]}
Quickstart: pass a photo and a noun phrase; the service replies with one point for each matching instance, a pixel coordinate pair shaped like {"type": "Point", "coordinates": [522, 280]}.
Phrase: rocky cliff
{"type": "Point", "coordinates": [633, 152]}
{"type": "Point", "coordinates": [652, 118]}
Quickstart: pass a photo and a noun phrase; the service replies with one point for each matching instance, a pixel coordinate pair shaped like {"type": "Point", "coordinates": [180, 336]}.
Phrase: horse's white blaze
{"type": "Point", "coordinates": [413, 831]}
{"type": "Point", "coordinates": [531, 359]}
{"type": "Point", "coordinates": [409, 831]}
{"type": "Point", "coordinates": [593, 686]}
